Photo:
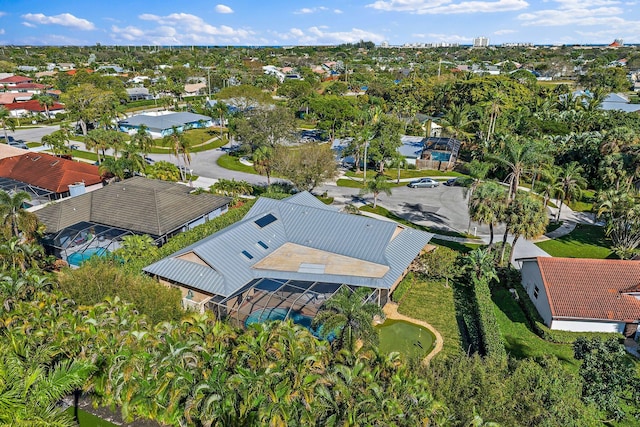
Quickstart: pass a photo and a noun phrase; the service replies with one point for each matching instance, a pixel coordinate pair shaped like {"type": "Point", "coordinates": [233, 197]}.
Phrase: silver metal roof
{"type": "Point", "coordinates": [163, 121]}
{"type": "Point", "coordinates": [303, 220]}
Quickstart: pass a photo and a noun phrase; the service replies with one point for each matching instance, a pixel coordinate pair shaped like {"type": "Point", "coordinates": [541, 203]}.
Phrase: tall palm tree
{"type": "Point", "coordinates": [46, 101]}
{"type": "Point", "coordinates": [375, 186]}
{"type": "Point", "coordinates": [220, 110]}
{"type": "Point", "coordinates": [518, 157]}
{"type": "Point", "coordinates": [179, 147]}
{"type": "Point", "coordinates": [263, 161]}
{"type": "Point", "coordinates": [487, 206]}
{"type": "Point", "coordinates": [571, 184]}
{"type": "Point", "coordinates": [14, 218]}
{"type": "Point", "coordinates": [6, 121]}
{"type": "Point", "coordinates": [142, 140]}
{"type": "Point", "coordinates": [526, 217]}
{"type": "Point", "coordinates": [351, 319]}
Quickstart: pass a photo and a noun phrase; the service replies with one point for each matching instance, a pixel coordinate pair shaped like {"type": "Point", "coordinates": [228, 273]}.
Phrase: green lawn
{"type": "Point", "coordinates": [460, 247]}
{"type": "Point", "coordinates": [406, 173]}
{"type": "Point", "coordinates": [585, 204]}
{"type": "Point", "coordinates": [350, 183]}
{"type": "Point", "coordinates": [586, 241]}
{"type": "Point", "coordinates": [553, 225]}
{"type": "Point", "coordinates": [519, 340]}
{"type": "Point", "coordinates": [432, 302]}
{"type": "Point", "coordinates": [233, 163]}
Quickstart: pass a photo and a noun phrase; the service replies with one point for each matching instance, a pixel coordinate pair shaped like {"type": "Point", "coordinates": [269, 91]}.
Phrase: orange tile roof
{"type": "Point", "coordinates": [32, 105]}
{"type": "Point", "coordinates": [16, 79]}
{"type": "Point", "coordinates": [591, 288]}
{"type": "Point", "coordinates": [48, 171]}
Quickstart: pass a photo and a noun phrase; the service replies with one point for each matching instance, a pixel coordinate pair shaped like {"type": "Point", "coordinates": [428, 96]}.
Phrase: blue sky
{"type": "Point", "coordinates": [289, 22]}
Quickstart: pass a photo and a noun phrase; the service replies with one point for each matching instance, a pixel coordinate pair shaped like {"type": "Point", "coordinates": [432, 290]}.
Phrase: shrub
{"type": "Point", "coordinates": [488, 324]}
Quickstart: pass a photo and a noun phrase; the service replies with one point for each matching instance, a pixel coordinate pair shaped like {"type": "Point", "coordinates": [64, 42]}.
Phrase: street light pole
{"type": "Point", "coordinates": [365, 162]}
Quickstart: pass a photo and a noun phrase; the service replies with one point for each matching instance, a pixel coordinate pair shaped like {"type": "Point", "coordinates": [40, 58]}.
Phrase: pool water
{"type": "Point", "coordinates": [78, 258]}
{"type": "Point", "coordinates": [269, 314]}
{"type": "Point", "coordinates": [409, 339]}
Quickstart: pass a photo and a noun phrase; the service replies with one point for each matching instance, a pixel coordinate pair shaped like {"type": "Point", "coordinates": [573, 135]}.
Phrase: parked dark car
{"type": "Point", "coordinates": [452, 182]}
{"type": "Point", "coordinates": [18, 144]}
{"type": "Point", "coordinates": [423, 183]}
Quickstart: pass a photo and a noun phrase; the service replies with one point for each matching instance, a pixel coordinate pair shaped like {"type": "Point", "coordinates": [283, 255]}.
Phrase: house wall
{"type": "Point", "coordinates": [588, 326]}
{"type": "Point", "coordinates": [531, 278]}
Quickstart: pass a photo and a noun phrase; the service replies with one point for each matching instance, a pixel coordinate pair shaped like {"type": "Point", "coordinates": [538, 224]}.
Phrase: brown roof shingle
{"type": "Point", "coordinates": [591, 288]}
{"type": "Point", "coordinates": [48, 171]}
{"type": "Point", "coordinates": [138, 204]}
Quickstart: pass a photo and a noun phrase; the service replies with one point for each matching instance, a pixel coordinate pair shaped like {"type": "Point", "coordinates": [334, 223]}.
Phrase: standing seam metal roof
{"type": "Point", "coordinates": [315, 226]}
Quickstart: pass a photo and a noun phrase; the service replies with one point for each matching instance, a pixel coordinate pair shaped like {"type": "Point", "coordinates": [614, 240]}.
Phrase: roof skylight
{"type": "Point", "coordinates": [265, 220]}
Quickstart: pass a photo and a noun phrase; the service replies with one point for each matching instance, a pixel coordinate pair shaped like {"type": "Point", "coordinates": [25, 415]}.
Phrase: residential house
{"type": "Point", "coordinates": [138, 93]}
{"type": "Point", "coordinates": [162, 123]}
{"type": "Point", "coordinates": [584, 295]}
{"type": "Point", "coordinates": [96, 222]}
{"type": "Point", "coordinates": [33, 107]}
{"type": "Point", "coordinates": [287, 257]}
{"type": "Point", "coordinates": [46, 177]}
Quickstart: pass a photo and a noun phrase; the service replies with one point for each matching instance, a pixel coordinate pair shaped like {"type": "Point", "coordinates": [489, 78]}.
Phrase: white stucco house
{"type": "Point", "coordinates": [584, 295]}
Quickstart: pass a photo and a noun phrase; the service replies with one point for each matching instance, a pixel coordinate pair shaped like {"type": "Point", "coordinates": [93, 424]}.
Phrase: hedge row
{"type": "Point", "coordinates": [488, 324]}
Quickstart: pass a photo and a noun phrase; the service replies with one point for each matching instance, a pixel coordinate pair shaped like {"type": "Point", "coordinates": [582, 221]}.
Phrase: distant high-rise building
{"type": "Point", "coordinates": [481, 41]}
{"type": "Point", "coordinates": [384, 44]}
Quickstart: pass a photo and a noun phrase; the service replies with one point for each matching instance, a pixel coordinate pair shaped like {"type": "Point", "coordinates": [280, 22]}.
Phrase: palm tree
{"type": "Point", "coordinates": [135, 246]}
{"type": "Point", "coordinates": [262, 161]}
{"type": "Point", "coordinates": [351, 319]}
{"type": "Point", "coordinates": [142, 140]}
{"type": "Point", "coordinates": [98, 140]}
{"type": "Point", "coordinates": [487, 206]}
{"type": "Point", "coordinates": [526, 217]}
{"type": "Point", "coordinates": [375, 186]}
{"type": "Point", "coordinates": [571, 184]}
{"type": "Point", "coordinates": [179, 147]}
{"type": "Point", "coordinates": [6, 122]}
{"type": "Point", "coordinates": [15, 219]}
{"type": "Point", "coordinates": [480, 265]}
{"type": "Point", "coordinates": [45, 101]}
{"type": "Point", "coordinates": [518, 157]}
{"type": "Point", "coordinates": [220, 110]}
{"type": "Point", "coordinates": [622, 216]}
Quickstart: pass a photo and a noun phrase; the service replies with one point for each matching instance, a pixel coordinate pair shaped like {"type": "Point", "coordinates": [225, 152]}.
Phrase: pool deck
{"type": "Point", "coordinates": [391, 312]}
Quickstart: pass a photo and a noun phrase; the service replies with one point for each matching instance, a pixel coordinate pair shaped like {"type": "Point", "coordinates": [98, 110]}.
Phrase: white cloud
{"type": "Point", "coordinates": [579, 13]}
{"type": "Point", "coordinates": [181, 28]}
{"type": "Point", "coordinates": [1, 30]}
{"type": "Point", "coordinates": [64, 19]}
{"type": "Point", "coordinates": [2, 13]}
{"type": "Point", "coordinates": [444, 7]}
{"type": "Point", "coordinates": [452, 38]}
{"type": "Point", "coordinates": [28, 24]}
{"type": "Point", "coordinates": [338, 11]}
{"type": "Point", "coordinates": [503, 32]}
{"type": "Point", "coordinates": [320, 35]}
{"type": "Point", "coordinates": [308, 10]}
{"type": "Point", "coordinates": [223, 8]}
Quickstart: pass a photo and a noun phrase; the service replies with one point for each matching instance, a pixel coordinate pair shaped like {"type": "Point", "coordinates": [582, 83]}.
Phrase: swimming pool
{"type": "Point", "coordinates": [78, 258]}
{"type": "Point", "coordinates": [409, 339]}
{"type": "Point", "coordinates": [277, 313]}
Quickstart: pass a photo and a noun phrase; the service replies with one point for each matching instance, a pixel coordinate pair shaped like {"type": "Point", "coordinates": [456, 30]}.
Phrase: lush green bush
{"type": "Point", "coordinates": [488, 325]}
{"type": "Point", "coordinates": [101, 278]}
{"type": "Point", "coordinates": [403, 287]}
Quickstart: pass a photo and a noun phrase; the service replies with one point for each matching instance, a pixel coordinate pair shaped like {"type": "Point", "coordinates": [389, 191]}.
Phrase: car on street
{"type": "Point", "coordinates": [423, 183]}
{"type": "Point", "coordinates": [18, 144]}
{"type": "Point", "coordinates": [452, 182]}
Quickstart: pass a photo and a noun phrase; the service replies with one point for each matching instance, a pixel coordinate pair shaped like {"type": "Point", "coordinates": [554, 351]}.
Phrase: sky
{"type": "Point", "coordinates": [321, 22]}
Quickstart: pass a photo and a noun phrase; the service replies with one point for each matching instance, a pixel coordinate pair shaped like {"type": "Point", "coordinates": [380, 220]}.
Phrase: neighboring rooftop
{"type": "Point", "coordinates": [591, 288]}
{"type": "Point", "coordinates": [138, 204]}
{"type": "Point", "coordinates": [159, 122]}
{"type": "Point", "coordinates": [48, 171]}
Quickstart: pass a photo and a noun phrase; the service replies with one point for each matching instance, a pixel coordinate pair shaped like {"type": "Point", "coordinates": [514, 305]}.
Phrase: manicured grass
{"type": "Point", "coordinates": [432, 302]}
{"type": "Point", "coordinates": [586, 241]}
{"type": "Point", "coordinates": [519, 340]}
{"type": "Point", "coordinates": [233, 163]}
{"type": "Point", "coordinates": [406, 173]}
{"type": "Point", "coordinates": [585, 204]}
{"type": "Point", "coordinates": [387, 214]}
{"type": "Point", "coordinates": [350, 183]}
{"type": "Point", "coordinates": [460, 247]}
{"type": "Point", "coordinates": [325, 200]}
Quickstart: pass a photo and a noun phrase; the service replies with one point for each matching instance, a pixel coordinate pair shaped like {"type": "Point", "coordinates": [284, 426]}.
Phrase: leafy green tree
{"type": "Point", "coordinates": [350, 318]}
{"type": "Point", "coordinates": [267, 127]}
{"type": "Point", "coordinates": [46, 101]}
{"type": "Point", "coordinates": [606, 372]}
{"type": "Point", "coordinates": [135, 246]}
{"type": "Point", "coordinates": [621, 214]}
{"type": "Point", "coordinates": [306, 166]}
{"type": "Point", "coordinates": [375, 186]}
{"type": "Point", "coordinates": [142, 140]}
{"type": "Point", "coordinates": [441, 263]}
{"type": "Point", "coordinates": [87, 104]}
